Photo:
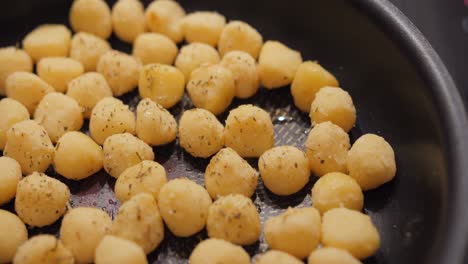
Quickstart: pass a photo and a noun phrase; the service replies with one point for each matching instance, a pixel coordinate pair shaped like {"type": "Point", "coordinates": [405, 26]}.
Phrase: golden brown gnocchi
{"type": "Point", "coordinates": [277, 257]}
{"type": "Point", "coordinates": [329, 255]}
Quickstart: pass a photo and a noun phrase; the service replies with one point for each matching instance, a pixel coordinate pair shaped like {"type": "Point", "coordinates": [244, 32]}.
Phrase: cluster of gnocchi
{"type": "Point", "coordinates": [78, 77]}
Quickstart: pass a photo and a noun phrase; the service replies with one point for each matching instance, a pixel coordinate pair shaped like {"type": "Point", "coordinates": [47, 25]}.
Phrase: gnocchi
{"type": "Point", "coordinates": [154, 124]}
{"type": "Point", "coordinates": [214, 250]}
{"type": "Point", "coordinates": [87, 49]}
{"type": "Point", "coordinates": [91, 16]}
{"type": "Point", "coordinates": [58, 114]}
{"type": "Point", "coordinates": [43, 249]}
{"type": "Point", "coordinates": [88, 90]}
{"type": "Point", "coordinates": [204, 27]}
{"type": "Point", "coordinates": [13, 60]}
{"type": "Point", "coordinates": [327, 149]}
{"type": "Point", "coordinates": [277, 64]}
{"type": "Point", "coordinates": [109, 117]}
{"type": "Point", "coordinates": [146, 177]}
{"type": "Point", "coordinates": [234, 218]}
{"type": "Point", "coordinates": [27, 88]}
{"type": "Point", "coordinates": [211, 87]}
{"type": "Point", "coordinates": [285, 170]}
{"type": "Point", "coordinates": [14, 234]}
{"type": "Point", "coordinates": [184, 206]}
{"type": "Point", "coordinates": [238, 35]}
{"type": "Point", "coordinates": [59, 71]}
{"type": "Point", "coordinates": [139, 221]}
{"type": "Point", "coordinates": [122, 151]}
{"type": "Point", "coordinates": [77, 156]}
{"type": "Point", "coordinates": [30, 145]}
{"type": "Point", "coordinates": [9, 178]}
{"type": "Point", "coordinates": [48, 40]}
{"type": "Point", "coordinates": [249, 131]}
{"type": "Point", "coordinates": [310, 77]}
{"type": "Point", "coordinates": [228, 173]}
{"type": "Point", "coordinates": [11, 112]}
{"type": "Point", "coordinates": [82, 230]}
{"type": "Point", "coordinates": [113, 249]}
{"type": "Point", "coordinates": [329, 255]}
{"type": "Point", "coordinates": [200, 133]}
{"type": "Point", "coordinates": [128, 19]}
{"type": "Point", "coordinates": [277, 257]}
{"type": "Point", "coordinates": [244, 71]}
{"type": "Point", "coordinates": [194, 55]}
{"type": "Point", "coordinates": [41, 200]}
{"type": "Point", "coordinates": [163, 84]}
{"type": "Point", "coordinates": [155, 48]}
{"type": "Point", "coordinates": [164, 16]}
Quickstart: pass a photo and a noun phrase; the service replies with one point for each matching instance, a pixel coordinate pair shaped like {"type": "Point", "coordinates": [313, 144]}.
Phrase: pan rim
{"type": "Point", "coordinates": [452, 239]}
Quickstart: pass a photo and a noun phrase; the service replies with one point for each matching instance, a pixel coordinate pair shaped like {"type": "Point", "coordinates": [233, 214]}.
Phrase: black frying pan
{"type": "Point", "coordinates": [400, 87]}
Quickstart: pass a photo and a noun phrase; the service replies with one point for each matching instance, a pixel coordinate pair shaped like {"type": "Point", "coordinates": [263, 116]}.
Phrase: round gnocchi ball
{"type": "Point", "coordinates": [350, 230]}
{"type": "Point", "coordinates": [87, 49]}
{"type": "Point", "coordinates": [155, 48]}
{"type": "Point", "coordinates": [146, 177]}
{"type": "Point", "coordinates": [128, 19]}
{"type": "Point", "coordinates": [336, 189]}
{"type": "Point", "coordinates": [234, 218]}
{"type": "Point", "coordinates": [120, 70]}
{"type": "Point", "coordinates": [211, 87]}
{"type": "Point", "coordinates": [285, 170]}
{"type": "Point", "coordinates": [91, 16]}
{"type": "Point", "coordinates": [43, 249]}
{"type": "Point", "coordinates": [13, 59]}
{"type": "Point", "coordinates": [122, 151]}
{"type": "Point", "coordinates": [184, 206]}
{"type": "Point", "coordinates": [335, 105]}
{"type": "Point", "coordinates": [82, 230]}
{"type": "Point", "coordinates": [41, 200]}
{"type": "Point", "coordinates": [296, 231]}
{"type": "Point", "coordinates": [249, 131]}
{"type": "Point", "coordinates": [27, 88]}
{"type": "Point", "coordinates": [238, 35]}
{"type": "Point", "coordinates": [139, 221]}
{"type": "Point", "coordinates": [327, 149]}
{"type": "Point", "coordinates": [59, 71]}
{"type": "Point", "coordinates": [9, 178]}
{"type": "Point", "coordinates": [48, 40]}
{"type": "Point", "coordinates": [29, 144]}
{"type": "Point", "coordinates": [109, 117]}
{"type": "Point", "coordinates": [88, 90]}
{"type": "Point", "coordinates": [77, 156]}
{"type": "Point", "coordinates": [244, 71]}
{"type": "Point", "coordinates": [14, 234]}
{"type": "Point", "coordinates": [165, 16]}
{"type": "Point", "coordinates": [11, 112]}
{"type": "Point", "coordinates": [371, 161]}
{"type": "Point", "coordinates": [194, 55]}
{"type": "Point", "coordinates": [155, 125]}
{"type": "Point", "coordinates": [277, 257]}
{"type": "Point", "coordinates": [163, 84]}
{"type": "Point", "coordinates": [200, 133]}
{"type": "Point", "coordinates": [113, 249]}
{"type": "Point", "coordinates": [58, 114]}
{"type": "Point", "coordinates": [203, 26]}
{"type": "Point", "coordinates": [277, 64]}
{"type": "Point", "coordinates": [214, 250]}
{"type": "Point", "coordinates": [228, 173]}
{"type": "Point", "coordinates": [310, 77]}
{"type": "Point", "coordinates": [329, 255]}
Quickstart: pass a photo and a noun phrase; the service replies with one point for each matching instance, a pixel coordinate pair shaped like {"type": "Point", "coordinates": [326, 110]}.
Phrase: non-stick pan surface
{"type": "Point", "coordinates": [401, 91]}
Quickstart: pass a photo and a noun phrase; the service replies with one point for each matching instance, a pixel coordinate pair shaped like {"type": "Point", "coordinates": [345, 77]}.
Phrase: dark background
{"type": "Point", "coordinates": [445, 24]}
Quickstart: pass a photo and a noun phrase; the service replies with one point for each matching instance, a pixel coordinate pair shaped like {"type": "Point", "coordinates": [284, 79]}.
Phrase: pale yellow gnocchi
{"type": "Point", "coordinates": [113, 250]}
{"type": "Point", "coordinates": [238, 35]}
{"type": "Point", "coordinates": [77, 156]}
{"type": "Point", "coordinates": [122, 151]}
{"type": "Point", "coordinates": [154, 124]}
{"type": "Point", "coordinates": [43, 249]}
{"type": "Point", "coordinates": [11, 112]}
{"type": "Point", "coordinates": [200, 133]}
{"type": "Point", "coordinates": [29, 144]}
{"type": "Point", "coordinates": [48, 40]}
{"type": "Point", "coordinates": [139, 221]}
{"type": "Point", "coordinates": [234, 218]}
{"type": "Point", "coordinates": [249, 131]}
{"type": "Point", "coordinates": [14, 234]}
{"type": "Point", "coordinates": [244, 71]}
{"type": "Point", "coordinates": [155, 48]}
{"type": "Point", "coordinates": [9, 178]}
{"type": "Point", "coordinates": [165, 16]}
{"type": "Point", "coordinates": [228, 173]}
{"type": "Point", "coordinates": [91, 16]}
{"type": "Point", "coordinates": [59, 71]}
{"type": "Point", "coordinates": [41, 200]}
{"type": "Point", "coordinates": [204, 27]}
{"type": "Point", "coordinates": [163, 84]}
{"type": "Point", "coordinates": [184, 206]}
{"type": "Point", "coordinates": [87, 49]}
{"type": "Point", "coordinates": [13, 59]}
{"type": "Point", "coordinates": [330, 255]}
{"type": "Point", "coordinates": [214, 250]}
{"type": "Point", "coordinates": [58, 114]}
{"type": "Point", "coordinates": [194, 55]}
{"type": "Point", "coordinates": [82, 230]}
{"type": "Point", "coordinates": [277, 257]}
{"type": "Point", "coordinates": [128, 19]}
